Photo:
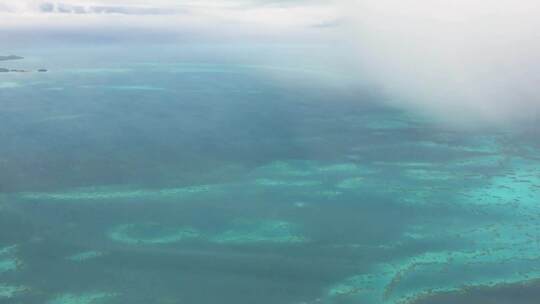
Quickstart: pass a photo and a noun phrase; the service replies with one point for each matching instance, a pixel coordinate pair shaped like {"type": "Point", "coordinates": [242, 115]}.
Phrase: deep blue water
{"type": "Point", "coordinates": [191, 175]}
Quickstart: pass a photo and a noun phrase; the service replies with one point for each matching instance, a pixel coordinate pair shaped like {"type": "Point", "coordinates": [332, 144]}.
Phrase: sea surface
{"type": "Point", "coordinates": [201, 174]}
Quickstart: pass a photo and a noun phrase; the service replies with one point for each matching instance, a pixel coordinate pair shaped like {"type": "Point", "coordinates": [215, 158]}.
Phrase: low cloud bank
{"type": "Point", "coordinates": [25, 21]}
{"type": "Point", "coordinates": [66, 8]}
{"type": "Point", "coordinates": [468, 62]}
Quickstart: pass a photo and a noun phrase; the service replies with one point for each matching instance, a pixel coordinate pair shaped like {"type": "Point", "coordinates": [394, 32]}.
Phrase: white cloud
{"type": "Point", "coordinates": [274, 13]}
{"type": "Point", "coordinates": [25, 22]}
{"type": "Point", "coordinates": [464, 60]}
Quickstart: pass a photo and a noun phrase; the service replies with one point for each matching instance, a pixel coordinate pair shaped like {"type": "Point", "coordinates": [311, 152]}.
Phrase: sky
{"type": "Point", "coordinates": [462, 60]}
{"type": "Point", "coordinates": [190, 18]}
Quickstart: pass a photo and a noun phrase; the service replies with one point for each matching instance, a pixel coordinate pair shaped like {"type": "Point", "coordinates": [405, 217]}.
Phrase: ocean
{"type": "Point", "coordinates": [201, 174]}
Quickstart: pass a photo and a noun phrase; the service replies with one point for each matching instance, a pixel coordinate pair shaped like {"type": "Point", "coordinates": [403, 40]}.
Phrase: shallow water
{"type": "Point", "coordinates": [192, 178]}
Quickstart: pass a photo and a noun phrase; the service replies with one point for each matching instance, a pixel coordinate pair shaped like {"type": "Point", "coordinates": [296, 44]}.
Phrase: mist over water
{"type": "Point", "coordinates": [467, 62]}
{"type": "Point", "coordinates": [470, 64]}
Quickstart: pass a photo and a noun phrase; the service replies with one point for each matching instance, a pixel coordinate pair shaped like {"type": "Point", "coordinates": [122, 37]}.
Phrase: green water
{"type": "Point", "coordinates": [191, 178]}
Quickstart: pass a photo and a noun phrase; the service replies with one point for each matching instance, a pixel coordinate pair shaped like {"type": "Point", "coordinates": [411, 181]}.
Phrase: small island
{"type": "Point", "coordinates": [10, 57]}
{"type": "Point", "coordinates": [3, 70]}
{"type": "Point", "coordinates": [15, 57]}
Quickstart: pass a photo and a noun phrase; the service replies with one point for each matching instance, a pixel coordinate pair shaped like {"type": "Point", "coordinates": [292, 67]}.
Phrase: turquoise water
{"type": "Point", "coordinates": [188, 177]}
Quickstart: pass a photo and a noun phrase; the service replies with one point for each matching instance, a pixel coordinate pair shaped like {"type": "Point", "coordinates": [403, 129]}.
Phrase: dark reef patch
{"type": "Point", "coordinates": [524, 293]}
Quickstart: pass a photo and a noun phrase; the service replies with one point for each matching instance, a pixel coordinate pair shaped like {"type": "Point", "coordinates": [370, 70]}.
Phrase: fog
{"type": "Point", "coordinates": [467, 62]}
